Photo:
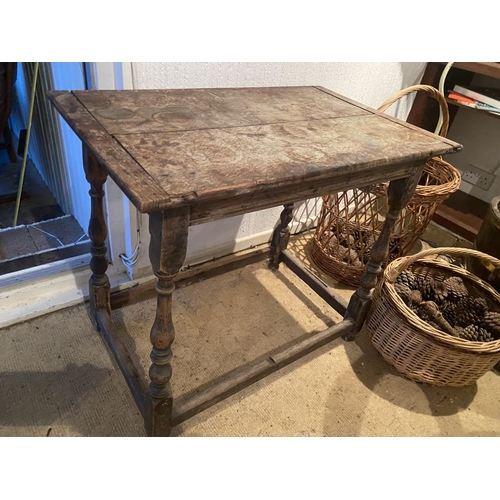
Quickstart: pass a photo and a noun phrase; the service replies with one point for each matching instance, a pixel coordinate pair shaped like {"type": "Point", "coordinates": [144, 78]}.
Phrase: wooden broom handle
{"type": "Point", "coordinates": [431, 90]}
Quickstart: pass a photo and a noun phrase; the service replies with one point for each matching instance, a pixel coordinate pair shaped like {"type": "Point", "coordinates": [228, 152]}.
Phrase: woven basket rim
{"type": "Point", "coordinates": [442, 190]}
{"type": "Point", "coordinates": [393, 297]}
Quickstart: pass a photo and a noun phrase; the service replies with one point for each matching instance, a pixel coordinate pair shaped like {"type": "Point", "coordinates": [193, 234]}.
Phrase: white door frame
{"type": "Point", "coordinates": [39, 290]}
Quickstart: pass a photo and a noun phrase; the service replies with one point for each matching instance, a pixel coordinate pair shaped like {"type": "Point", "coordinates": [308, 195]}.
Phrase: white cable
{"type": "Point", "coordinates": [130, 261]}
{"type": "Point", "coordinates": [444, 74]}
{"type": "Point", "coordinates": [48, 234]}
{"type": "Point", "coordinates": [81, 238]}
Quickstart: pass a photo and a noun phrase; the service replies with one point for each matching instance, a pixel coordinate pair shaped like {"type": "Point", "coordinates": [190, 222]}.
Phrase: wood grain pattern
{"type": "Point", "coordinates": [99, 287]}
{"type": "Point", "coordinates": [151, 111]}
{"type": "Point", "coordinates": [200, 165]}
{"type": "Point", "coordinates": [453, 144]}
{"type": "Point", "coordinates": [281, 236]}
{"type": "Point", "coordinates": [291, 193]}
{"type": "Point", "coordinates": [167, 251]}
{"type": "Point", "coordinates": [140, 188]}
{"type": "Point", "coordinates": [169, 148]}
{"type": "Point", "coordinates": [399, 193]}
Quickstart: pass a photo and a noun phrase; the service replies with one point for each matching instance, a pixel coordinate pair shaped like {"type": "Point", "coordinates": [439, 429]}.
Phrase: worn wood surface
{"type": "Point", "coordinates": [399, 193]}
{"type": "Point", "coordinates": [140, 188]}
{"type": "Point", "coordinates": [167, 251]}
{"type": "Point", "coordinates": [216, 164]}
{"type": "Point", "coordinates": [282, 195]}
{"type": "Point", "coordinates": [152, 111]}
{"type": "Point", "coordinates": [99, 288]}
{"type": "Point", "coordinates": [114, 341]}
{"type": "Point", "coordinates": [327, 293]}
{"type": "Point", "coordinates": [384, 115]}
{"type": "Point", "coordinates": [204, 146]}
{"type": "Point", "coordinates": [281, 236]}
{"type": "Point", "coordinates": [246, 376]}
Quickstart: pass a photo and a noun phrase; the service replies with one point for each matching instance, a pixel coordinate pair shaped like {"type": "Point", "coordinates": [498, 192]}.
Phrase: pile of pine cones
{"type": "Point", "coordinates": [353, 247]}
{"type": "Point", "coordinates": [448, 306]}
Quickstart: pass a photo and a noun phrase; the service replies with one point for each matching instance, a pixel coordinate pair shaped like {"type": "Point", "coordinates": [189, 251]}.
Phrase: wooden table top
{"type": "Point", "coordinates": [167, 148]}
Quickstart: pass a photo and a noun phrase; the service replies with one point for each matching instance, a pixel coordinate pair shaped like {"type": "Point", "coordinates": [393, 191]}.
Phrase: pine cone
{"type": "Point", "coordinates": [491, 322]}
{"type": "Point", "coordinates": [456, 288]}
{"type": "Point", "coordinates": [340, 252]}
{"type": "Point", "coordinates": [369, 240]}
{"type": "Point", "coordinates": [427, 288]}
{"type": "Point", "coordinates": [415, 297]}
{"type": "Point", "coordinates": [439, 292]}
{"type": "Point", "coordinates": [424, 308]}
{"type": "Point", "coordinates": [367, 246]}
{"type": "Point", "coordinates": [347, 240]}
{"type": "Point", "coordinates": [331, 243]}
{"type": "Point", "coordinates": [475, 333]}
{"type": "Point", "coordinates": [366, 255]}
{"type": "Point", "coordinates": [422, 314]}
{"type": "Point", "coordinates": [448, 311]}
{"type": "Point", "coordinates": [418, 282]}
{"type": "Point", "coordinates": [434, 325]}
{"type": "Point", "coordinates": [350, 256]}
{"type": "Point", "coordinates": [406, 278]}
{"type": "Point", "coordinates": [395, 247]}
{"type": "Point", "coordinates": [404, 292]}
{"type": "Point", "coordinates": [470, 310]}
{"type": "Point", "coordinates": [429, 311]}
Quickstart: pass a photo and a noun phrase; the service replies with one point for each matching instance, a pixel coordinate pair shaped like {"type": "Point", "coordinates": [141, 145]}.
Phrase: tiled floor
{"type": "Point", "coordinates": [42, 225]}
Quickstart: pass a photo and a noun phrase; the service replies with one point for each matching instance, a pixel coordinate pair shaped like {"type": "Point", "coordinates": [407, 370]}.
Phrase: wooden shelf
{"type": "Point", "coordinates": [462, 213]}
{"type": "Point", "coordinates": [460, 105]}
{"type": "Point", "coordinates": [482, 68]}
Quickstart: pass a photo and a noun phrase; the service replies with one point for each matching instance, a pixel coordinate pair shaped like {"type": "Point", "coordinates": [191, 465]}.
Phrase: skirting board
{"type": "Point", "coordinates": [227, 248]}
{"type": "Point", "coordinates": [38, 296]}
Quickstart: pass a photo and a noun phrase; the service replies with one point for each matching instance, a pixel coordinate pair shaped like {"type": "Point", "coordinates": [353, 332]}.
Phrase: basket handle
{"type": "Point", "coordinates": [431, 90]}
{"type": "Point", "coordinates": [399, 265]}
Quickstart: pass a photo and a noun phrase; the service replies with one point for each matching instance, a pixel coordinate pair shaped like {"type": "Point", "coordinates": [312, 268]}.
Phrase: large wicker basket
{"type": "Point", "coordinates": [413, 347]}
{"type": "Point", "coordinates": [350, 221]}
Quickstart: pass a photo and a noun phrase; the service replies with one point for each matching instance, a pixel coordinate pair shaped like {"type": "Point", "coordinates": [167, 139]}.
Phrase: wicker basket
{"type": "Point", "coordinates": [350, 221]}
{"type": "Point", "coordinates": [415, 349]}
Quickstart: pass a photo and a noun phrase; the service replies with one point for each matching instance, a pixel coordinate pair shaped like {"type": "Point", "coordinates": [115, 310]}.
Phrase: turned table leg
{"type": "Point", "coordinates": [167, 251]}
{"type": "Point", "coordinates": [281, 235]}
{"type": "Point", "coordinates": [99, 290]}
{"type": "Point", "coordinates": [399, 193]}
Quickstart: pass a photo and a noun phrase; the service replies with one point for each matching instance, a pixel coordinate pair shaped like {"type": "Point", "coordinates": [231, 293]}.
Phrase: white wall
{"type": "Point", "coordinates": [368, 83]}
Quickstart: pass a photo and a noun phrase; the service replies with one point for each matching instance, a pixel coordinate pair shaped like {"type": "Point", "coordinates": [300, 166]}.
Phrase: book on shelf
{"type": "Point", "coordinates": [473, 103]}
{"type": "Point", "coordinates": [467, 101]}
{"type": "Point", "coordinates": [462, 98]}
{"type": "Point", "coordinates": [487, 107]}
{"type": "Point", "coordinates": [485, 95]}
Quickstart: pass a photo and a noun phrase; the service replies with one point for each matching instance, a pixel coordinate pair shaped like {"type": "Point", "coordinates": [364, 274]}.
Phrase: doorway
{"type": "Point", "coordinates": [47, 228]}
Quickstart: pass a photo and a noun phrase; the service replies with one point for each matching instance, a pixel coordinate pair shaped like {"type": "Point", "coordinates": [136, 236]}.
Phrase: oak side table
{"type": "Point", "coordinates": [190, 156]}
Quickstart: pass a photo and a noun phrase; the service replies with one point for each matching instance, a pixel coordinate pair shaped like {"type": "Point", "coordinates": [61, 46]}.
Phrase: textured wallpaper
{"type": "Point", "coordinates": [369, 83]}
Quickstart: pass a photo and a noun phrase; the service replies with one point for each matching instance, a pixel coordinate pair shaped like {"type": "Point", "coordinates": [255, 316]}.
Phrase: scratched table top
{"type": "Point", "coordinates": [167, 148]}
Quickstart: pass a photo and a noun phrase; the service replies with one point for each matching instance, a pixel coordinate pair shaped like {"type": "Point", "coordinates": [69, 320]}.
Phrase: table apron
{"type": "Point", "coordinates": [259, 200]}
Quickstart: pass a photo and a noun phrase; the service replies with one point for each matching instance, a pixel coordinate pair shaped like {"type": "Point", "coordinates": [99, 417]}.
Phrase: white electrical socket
{"type": "Point", "coordinates": [477, 177]}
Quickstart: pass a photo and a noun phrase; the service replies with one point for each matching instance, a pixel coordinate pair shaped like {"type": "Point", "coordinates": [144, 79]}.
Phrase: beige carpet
{"type": "Point", "coordinates": [57, 378]}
